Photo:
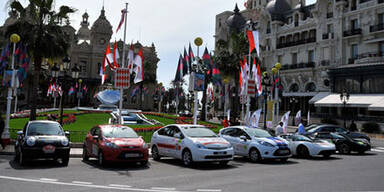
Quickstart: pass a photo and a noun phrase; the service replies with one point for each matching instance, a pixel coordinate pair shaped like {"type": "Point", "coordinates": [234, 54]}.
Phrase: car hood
{"type": "Point", "coordinates": [216, 142]}
{"type": "Point", "coordinates": [276, 141]}
{"type": "Point", "coordinates": [49, 137]}
{"type": "Point", "coordinates": [126, 141]}
{"type": "Point", "coordinates": [356, 135]}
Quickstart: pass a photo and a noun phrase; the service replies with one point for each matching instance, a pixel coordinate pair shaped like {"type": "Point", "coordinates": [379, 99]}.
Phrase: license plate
{"type": "Point", "coordinates": [285, 151]}
{"type": "Point", "coordinates": [49, 149]}
{"type": "Point", "coordinates": [220, 153]}
{"type": "Point", "coordinates": [127, 155]}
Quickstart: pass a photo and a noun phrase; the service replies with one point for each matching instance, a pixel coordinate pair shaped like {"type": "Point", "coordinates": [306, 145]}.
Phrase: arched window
{"type": "Point", "coordinates": [294, 88]}
{"type": "Point", "coordinates": [311, 87]}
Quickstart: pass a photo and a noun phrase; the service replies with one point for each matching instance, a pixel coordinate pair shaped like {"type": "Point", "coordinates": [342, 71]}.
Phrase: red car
{"type": "Point", "coordinates": [116, 143]}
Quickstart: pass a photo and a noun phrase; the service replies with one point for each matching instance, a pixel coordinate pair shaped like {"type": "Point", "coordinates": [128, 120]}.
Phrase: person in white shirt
{"type": "Point", "coordinates": [301, 128]}
{"type": "Point", "coordinates": [279, 130]}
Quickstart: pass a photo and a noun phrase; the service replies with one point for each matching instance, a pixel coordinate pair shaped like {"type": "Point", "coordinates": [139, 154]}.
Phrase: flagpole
{"type": "Point", "coordinates": [123, 59]}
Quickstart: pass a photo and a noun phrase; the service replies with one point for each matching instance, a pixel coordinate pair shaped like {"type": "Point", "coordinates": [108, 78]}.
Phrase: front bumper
{"type": "Point", "coordinates": [37, 152]}
{"type": "Point", "coordinates": [275, 153]}
{"type": "Point", "coordinates": [212, 155]}
{"type": "Point", "coordinates": [126, 155]}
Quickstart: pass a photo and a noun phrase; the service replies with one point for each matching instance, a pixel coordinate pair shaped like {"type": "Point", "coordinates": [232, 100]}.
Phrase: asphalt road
{"type": "Point", "coordinates": [340, 173]}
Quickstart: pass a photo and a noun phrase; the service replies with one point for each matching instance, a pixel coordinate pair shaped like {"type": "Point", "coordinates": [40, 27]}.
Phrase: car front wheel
{"type": "Point", "coordinates": [21, 158]}
{"type": "Point", "coordinates": [187, 158]}
{"type": "Point", "coordinates": [344, 149]}
{"type": "Point", "coordinates": [155, 153]}
{"type": "Point", "coordinates": [85, 154]}
{"type": "Point", "coordinates": [65, 160]}
{"type": "Point", "coordinates": [101, 159]}
{"type": "Point", "coordinates": [254, 155]}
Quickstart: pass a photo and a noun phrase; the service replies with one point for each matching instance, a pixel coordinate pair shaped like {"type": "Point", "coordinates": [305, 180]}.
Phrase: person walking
{"type": "Point", "coordinates": [2, 126]}
{"type": "Point", "coordinates": [301, 128]}
{"type": "Point", "coordinates": [353, 126]}
{"type": "Point", "coordinates": [279, 130]}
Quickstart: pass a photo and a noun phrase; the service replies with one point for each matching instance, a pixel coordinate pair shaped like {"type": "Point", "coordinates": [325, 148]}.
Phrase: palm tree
{"type": "Point", "coordinates": [39, 27]}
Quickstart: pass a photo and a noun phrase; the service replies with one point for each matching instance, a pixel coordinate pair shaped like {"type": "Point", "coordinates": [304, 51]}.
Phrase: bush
{"type": "Point", "coordinates": [371, 127]}
{"type": "Point", "coordinates": [329, 121]}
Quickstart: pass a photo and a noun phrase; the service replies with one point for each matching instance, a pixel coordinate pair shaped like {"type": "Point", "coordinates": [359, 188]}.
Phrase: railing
{"type": "Point", "coordinates": [295, 43]}
{"type": "Point", "coordinates": [329, 15]}
{"type": "Point", "coordinates": [352, 32]}
{"type": "Point", "coordinates": [298, 66]}
{"type": "Point", "coordinates": [375, 28]}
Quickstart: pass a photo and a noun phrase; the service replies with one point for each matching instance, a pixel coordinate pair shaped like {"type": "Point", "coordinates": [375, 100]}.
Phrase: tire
{"type": "Point", "coordinates": [155, 153]}
{"type": "Point", "coordinates": [17, 155]}
{"type": "Point", "coordinates": [326, 155]}
{"type": "Point", "coordinates": [85, 154]}
{"type": "Point", "coordinates": [21, 158]}
{"type": "Point", "coordinates": [254, 155]}
{"type": "Point", "coordinates": [344, 149]}
{"type": "Point", "coordinates": [65, 160]}
{"type": "Point", "coordinates": [223, 163]}
{"type": "Point", "coordinates": [302, 152]}
{"type": "Point", "coordinates": [187, 158]}
{"type": "Point", "coordinates": [283, 160]}
{"type": "Point", "coordinates": [100, 159]}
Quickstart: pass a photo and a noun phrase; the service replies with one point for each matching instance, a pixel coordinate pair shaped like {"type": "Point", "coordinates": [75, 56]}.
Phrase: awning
{"type": "Point", "coordinates": [376, 101]}
{"type": "Point", "coordinates": [299, 94]}
{"type": "Point", "coordinates": [318, 96]}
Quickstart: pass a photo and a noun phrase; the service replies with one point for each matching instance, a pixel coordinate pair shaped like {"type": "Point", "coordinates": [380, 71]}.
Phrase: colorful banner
{"type": "Point", "coordinates": [199, 82]}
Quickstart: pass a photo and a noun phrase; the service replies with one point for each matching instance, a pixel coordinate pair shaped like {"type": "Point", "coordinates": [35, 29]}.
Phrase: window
{"type": "Point", "coordinates": [311, 87]}
{"type": "Point", "coordinates": [294, 88]}
{"type": "Point", "coordinates": [296, 20]}
{"type": "Point", "coordinates": [294, 58]}
{"type": "Point", "coordinates": [381, 48]}
{"type": "Point", "coordinates": [83, 67]}
{"type": "Point", "coordinates": [354, 24]}
{"type": "Point", "coordinates": [381, 18]}
{"type": "Point", "coordinates": [354, 51]}
{"type": "Point", "coordinates": [279, 58]}
{"type": "Point", "coordinates": [329, 28]}
{"type": "Point", "coordinates": [311, 56]}
{"type": "Point", "coordinates": [353, 6]}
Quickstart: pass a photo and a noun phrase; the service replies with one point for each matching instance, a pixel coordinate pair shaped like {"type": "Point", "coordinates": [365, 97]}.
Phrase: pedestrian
{"type": "Point", "coordinates": [279, 130]}
{"type": "Point", "coordinates": [225, 123]}
{"type": "Point", "coordinates": [301, 128]}
{"type": "Point", "coordinates": [353, 126]}
{"type": "Point", "coordinates": [2, 126]}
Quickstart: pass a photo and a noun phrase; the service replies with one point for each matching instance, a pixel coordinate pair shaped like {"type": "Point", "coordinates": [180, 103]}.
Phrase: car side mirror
{"type": "Point", "coordinates": [95, 137]}
{"type": "Point", "coordinates": [244, 138]}
{"type": "Point", "coordinates": [67, 133]}
{"type": "Point", "coordinates": [19, 133]}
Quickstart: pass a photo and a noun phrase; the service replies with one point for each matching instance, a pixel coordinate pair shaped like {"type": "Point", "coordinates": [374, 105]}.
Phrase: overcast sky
{"type": "Point", "coordinates": [169, 24]}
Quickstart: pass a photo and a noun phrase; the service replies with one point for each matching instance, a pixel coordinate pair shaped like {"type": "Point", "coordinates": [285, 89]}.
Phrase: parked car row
{"type": "Point", "coordinates": [189, 143]}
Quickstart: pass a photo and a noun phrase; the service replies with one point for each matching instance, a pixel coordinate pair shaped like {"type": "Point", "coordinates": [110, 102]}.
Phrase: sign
{"type": "Point", "coordinates": [122, 78]}
{"type": "Point", "coordinates": [251, 88]}
{"type": "Point", "coordinates": [199, 82]}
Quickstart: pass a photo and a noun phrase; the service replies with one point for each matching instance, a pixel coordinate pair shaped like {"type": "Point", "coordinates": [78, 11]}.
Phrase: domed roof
{"type": "Point", "coordinates": [236, 21]}
{"type": "Point", "coordinates": [277, 8]}
{"type": "Point", "coordinates": [84, 33]}
{"type": "Point", "coordinates": [102, 25]}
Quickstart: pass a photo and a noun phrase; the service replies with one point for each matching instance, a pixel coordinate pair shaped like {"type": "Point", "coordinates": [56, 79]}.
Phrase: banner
{"type": "Point", "coordinates": [298, 117]}
{"type": "Point", "coordinates": [199, 82]}
{"type": "Point", "coordinates": [285, 119]}
{"type": "Point", "coordinates": [254, 121]}
{"type": "Point", "coordinates": [122, 78]}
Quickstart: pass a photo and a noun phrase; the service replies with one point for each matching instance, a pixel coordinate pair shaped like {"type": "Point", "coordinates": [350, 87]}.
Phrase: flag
{"type": "Point", "coordinates": [116, 57]}
{"type": "Point", "coordinates": [85, 89]}
{"type": "Point", "coordinates": [71, 91]}
{"type": "Point", "coordinates": [298, 117]}
{"type": "Point", "coordinates": [139, 67]}
{"type": "Point", "coordinates": [103, 76]}
{"type": "Point", "coordinates": [108, 57]}
{"type": "Point", "coordinates": [131, 56]}
{"type": "Point", "coordinates": [285, 119]}
{"type": "Point", "coordinates": [76, 85]}
{"type": "Point", "coordinates": [186, 63]}
{"type": "Point", "coordinates": [60, 91]}
{"type": "Point", "coordinates": [95, 95]}
{"type": "Point", "coordinates": [256, 76]}
{"type": "Point", "coordinates": [253, 39]}
{"type": "Point", "coordinates": [216, 76]}
{"type": "Point", "coordinates": [191, 57]}
{"type": "Point", "coordinates": [49, 90]}
{"type": "Point", "coordinates": [179, 70]}
{"type": "Point", "coordinates": [244, 78]}
{"type": "Point", "coordinates": [207, 59]}
{"type": "Point", "coordinates": [254, 120]}
{"type": "Point", "coordinates": [123, 13]}
{"type": "Point", "coordinates": [229, 114]}
{"type": "Point", "coordinates": [4, 57]}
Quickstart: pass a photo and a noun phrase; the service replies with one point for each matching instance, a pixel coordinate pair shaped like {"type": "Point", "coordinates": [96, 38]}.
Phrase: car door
{"type": "Point", "coordinates": [95, 142]}
{"type": "Point", "coordinates": [88, 141]}
{"type": "Point", "coordinates": [235, 141]}
{"type": "Point", "coordinates": [161, 141]}
{"type": "Point", "coordinates": [243, 144]}
{"type": "Point", "coordinates": [229, 134]}
{"type": "Point", "coordinates": [175, 142]}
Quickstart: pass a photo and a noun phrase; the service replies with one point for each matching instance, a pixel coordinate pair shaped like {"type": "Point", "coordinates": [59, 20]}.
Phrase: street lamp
{"type": "Point", "coordinates": [344, 97]}
{"type": "Point", "coordinates": [79, 93]}
{"type": "Point", "coordinates": [55, 74]}
{"type": "Point", "coordinates": [293, 101]}
{"type": "Point", "coordinates": [276, 73]}
{"type": "Point", "coordinates": [266, 82]}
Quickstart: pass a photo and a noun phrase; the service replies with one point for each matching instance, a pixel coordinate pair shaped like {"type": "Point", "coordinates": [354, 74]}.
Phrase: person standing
{"type": "Point", "coordinates": [301, 128]}
{"type": "Point", "coordinates": [353, 126]}
{"type": "Point", "coordinates": [2, 126]}
{"type": "Point", "coordinates": [279, 130]}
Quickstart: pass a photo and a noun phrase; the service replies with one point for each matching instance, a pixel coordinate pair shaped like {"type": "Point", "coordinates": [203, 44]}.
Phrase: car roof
{"type": "Point", "coordinates": [115, 125]}
{"type": "Point", "coordinates": [186, 125]}
{"type": "Point", "coordinates": [43, 121]}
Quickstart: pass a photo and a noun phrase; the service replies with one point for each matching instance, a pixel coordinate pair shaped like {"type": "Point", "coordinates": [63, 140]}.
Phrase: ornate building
{"type": "Point", "coordinates": [87, 49]}
{"type": "Point", "coordinates": [324, 48]}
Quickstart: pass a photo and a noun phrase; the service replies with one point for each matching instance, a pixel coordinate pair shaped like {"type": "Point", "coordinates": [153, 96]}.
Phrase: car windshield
{"type": "Point", "coordinates": [119, 132]}
{"type": "Point", "coordinates": [129, 118]}
{"type": "Point", "coordinates": [199, 132]}
{"type": "Point", "coordinates": [44, 129]}
{"type": "Point", "coordinates": [312, 130]}
{"type": "Point", "coordinates": [258, 133]}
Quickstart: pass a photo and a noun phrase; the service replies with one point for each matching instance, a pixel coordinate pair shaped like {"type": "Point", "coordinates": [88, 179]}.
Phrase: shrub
{"type": "Point", "coordinates": [371, 127]}
{"type": "Point", "coordinates": [329, 121]}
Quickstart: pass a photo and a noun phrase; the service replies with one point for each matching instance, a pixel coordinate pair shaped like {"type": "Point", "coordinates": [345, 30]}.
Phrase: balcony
{"type": "Point", "coordinates": [352, 32]}
{"type": "Point", "coordinates": [298, 66]}
{"type": "Point", "coordinates": [295, 43]}
{"type": "Point", "coordinates": [364, 1]}
{"type": "Point", "coordinates": [375, 28]}
{"type": "Point", "coordinates": [328, 36]}
{"type": "Point", "coordinates": [329, 15]}
{"type": "Point", "coordinates": [369, 57]}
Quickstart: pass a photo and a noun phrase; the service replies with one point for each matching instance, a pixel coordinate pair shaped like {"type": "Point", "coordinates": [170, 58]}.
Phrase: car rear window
{"type": "Point", "coordinates": [35, 129]}
{"type": "Point", "coordinates": [119, 132]}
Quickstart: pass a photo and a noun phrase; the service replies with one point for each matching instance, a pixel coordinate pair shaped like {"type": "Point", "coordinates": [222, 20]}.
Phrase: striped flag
{"type": "Point", "coordinates": [251, 88]}
{"type": "Point", "coordinates": [123, 13]}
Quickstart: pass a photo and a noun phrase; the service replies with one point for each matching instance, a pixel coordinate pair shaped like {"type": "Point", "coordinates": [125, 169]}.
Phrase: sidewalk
{"type": "Point", "coordinates": [10, 150]}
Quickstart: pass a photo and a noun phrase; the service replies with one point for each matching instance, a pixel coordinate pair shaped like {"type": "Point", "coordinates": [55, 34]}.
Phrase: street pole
{"type": "Point", "coordinates": [5, 136]}
{"type": "Point", "coordinates": [123, 59]}
{"type": "Point", "coordinates": [79, 94]}
{"type": "Point", "coordinates": [15, 94]}
{"type": "Point", "coordinates": [177, 97]}
{"type": "Point", "coordinates": [198, 42]}
{"type": "Point", "coordinates": [54, 100]}
{"type": "Point", "coordinates": [265, 108]}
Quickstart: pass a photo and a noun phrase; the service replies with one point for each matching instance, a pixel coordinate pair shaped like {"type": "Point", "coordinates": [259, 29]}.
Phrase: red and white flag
{"type": "Point", "coordinates": [253, 39]}
{"type": "Point", "coordinates": [131, 59]}
{"type": "Point", "coordinates": [123, 13]}
{"type": "Point", "coordinates": [102, 75]}
{"type": "Point", "coordinates": [256, 76]}
{"type": "Point", "coordinates": [139, 67]}
{"type": "Point", "coordinates": [116, 57]}
{"type": "Point", "coordinates": [108, 57]}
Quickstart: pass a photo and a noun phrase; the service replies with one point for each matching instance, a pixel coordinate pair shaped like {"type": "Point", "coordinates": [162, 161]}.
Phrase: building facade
{"type": "Point", "coordinates": [324, 48]}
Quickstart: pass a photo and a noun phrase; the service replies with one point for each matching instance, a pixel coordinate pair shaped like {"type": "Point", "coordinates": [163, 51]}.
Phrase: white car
{"type": "Point", "coordinates": [256, 144]}
{"type": "Point", "coordinates": [305, 147]}
{"type": "Point", "coordinates": [190, 143]}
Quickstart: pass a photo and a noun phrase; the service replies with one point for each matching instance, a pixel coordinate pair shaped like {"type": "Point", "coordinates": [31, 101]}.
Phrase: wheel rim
{"type": "Point", "coordinates": [344, 148]}
{"type": "Point", "coordinates": [155, 152]}
{"type": "Point", "coordinates": [302, 152]}
{"type": "Point", "coordinates": [254, 155]}
{"type": "Point", "coordinates": [187, 158]}
{"type": "Point", "coordinates": [101, 160]}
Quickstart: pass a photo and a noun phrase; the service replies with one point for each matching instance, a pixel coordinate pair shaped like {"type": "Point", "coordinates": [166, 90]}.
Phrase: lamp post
{"type": "Point", "coordinates": [344, 97]}
{"type": "Point", "coordinates": [5, 136]}
{"type": "Point", "coordinates": [266, 82]}
{"type": "Point", "coordinates": [55, 74]}
{"type": "Point", "coordinates": [195, 67]}
{"type": "Point", "coordinates": [276, 74]}
{"type": "Point", "coordinates": [292, 102]}
{"type": "Point", "coordinates": [79, 93]}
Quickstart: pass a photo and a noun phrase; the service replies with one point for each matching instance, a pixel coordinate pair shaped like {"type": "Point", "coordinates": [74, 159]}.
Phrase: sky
{"type": "Point", "coordinates": [169, 24]}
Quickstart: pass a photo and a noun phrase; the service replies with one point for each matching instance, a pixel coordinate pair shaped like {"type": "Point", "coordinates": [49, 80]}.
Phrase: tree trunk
{"type": "Point", "coordinates": [35, 86]}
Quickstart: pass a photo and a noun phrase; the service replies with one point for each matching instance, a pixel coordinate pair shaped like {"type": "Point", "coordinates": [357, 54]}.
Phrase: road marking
{"type": "Point", "coordinates": [82, 182]}
{"type": "Point", "coordinates": [380, 148]}
{"type": "Point", "coordinates": [117, 185]}
{"type": "Point", "coordinates": [163, 188]}
{"type": "Point", "coordinates": [48, 179]}
{"type": "Point", "coordinates": [377, 150]}
{"type": "Point", "coordinates": [209, 190]}
{"type": "Point", "coordinates": [82, 185]}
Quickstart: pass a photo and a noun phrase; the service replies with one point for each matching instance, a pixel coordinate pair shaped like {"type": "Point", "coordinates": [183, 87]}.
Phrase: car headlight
{"type": "Point", "coordinates": [200, 146]}
{"type": "Point", "coordinates": [31, 141]}
{"type": "Point", "coordinates": [265, 144]}
{"type": "Point", "coordinates": [112, 145]}
{"type": "Point", "coordinates": [145, 145]}
{"type": "Point", "coordinates": [64, 141]}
